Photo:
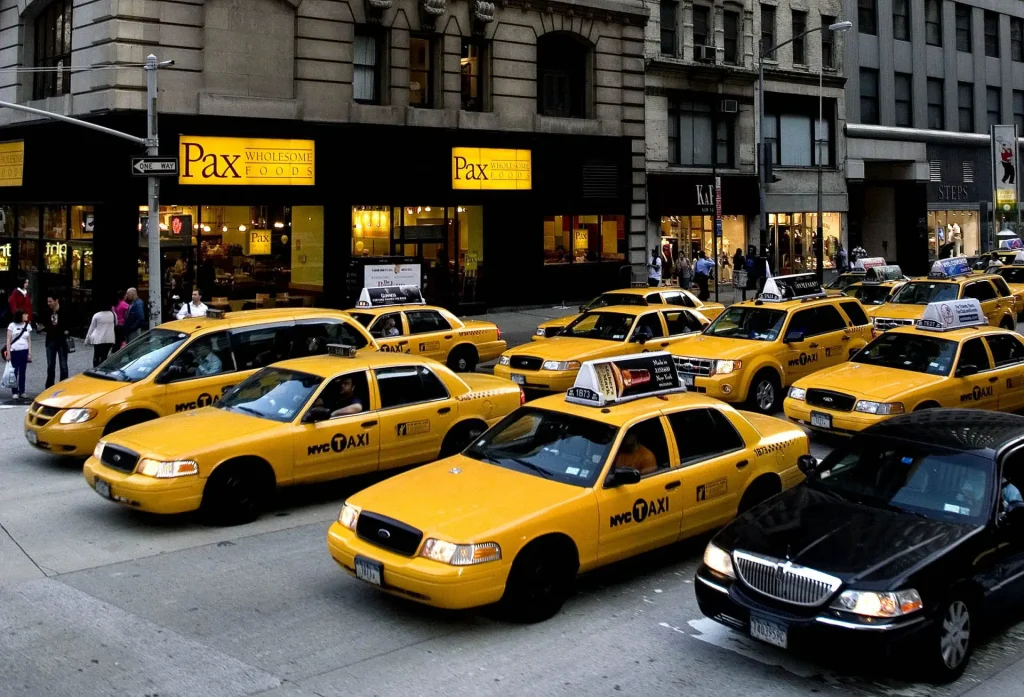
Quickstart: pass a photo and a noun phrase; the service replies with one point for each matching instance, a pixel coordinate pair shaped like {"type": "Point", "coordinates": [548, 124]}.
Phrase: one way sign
{"type": "Point", "coordinates": [155, 166]}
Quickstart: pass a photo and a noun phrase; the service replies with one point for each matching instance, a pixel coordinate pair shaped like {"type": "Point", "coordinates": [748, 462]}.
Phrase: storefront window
{"type": "Point", "coordinates": [307, 243]}
{"type": "Point", "coordinates": [28, 253]}
{"type": "Point", "coordinates": [82, 222]}
{"type": "Point", "coordinates": [371, 231]}
{"type": "Point", "coordinates": [55, 223]}
{"type": "Point", "coordinates": [7, 221]}
{"type": "Point", "coordinates": [580, 239]}
{"type": "Point", "coordinates": [953, 233]}
{"type": "Point", "coordinates": [28, 221]}
{"type": "Point", "coordinates": [795, 235]}
{"type": "Point", "coordinates": [694, 233]}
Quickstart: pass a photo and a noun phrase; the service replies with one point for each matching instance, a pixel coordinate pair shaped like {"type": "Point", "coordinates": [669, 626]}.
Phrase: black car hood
{"type": "Point", "coordinates": [852, 542]}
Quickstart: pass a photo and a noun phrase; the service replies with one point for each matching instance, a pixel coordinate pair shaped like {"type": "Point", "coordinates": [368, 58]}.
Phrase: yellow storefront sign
{"type": "Point", "coordinates": [12, 163]}
{"type": "Point", "coordinates": [259, 242]}
{"type": "Point", "coordinates": [246, 161]}
{"type": "Point", "coordinates": [490, 169]}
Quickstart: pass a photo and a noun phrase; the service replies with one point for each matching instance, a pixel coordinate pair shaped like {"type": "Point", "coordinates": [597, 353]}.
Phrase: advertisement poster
{"type": "Point", "coordinates": [1004, 174]}
{"type": "Point", "coordinates": [380, 275]}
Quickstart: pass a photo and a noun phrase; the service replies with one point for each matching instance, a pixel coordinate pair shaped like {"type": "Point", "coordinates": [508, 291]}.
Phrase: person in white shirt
{"type": "Point", "coordinates": [19, 349]}
{"type": "Point", "coordinates": [196, 308]}
{"type": "Point", "coordinates": [101, 335]}
{"type": "Point", "coordinates": [654, 268]}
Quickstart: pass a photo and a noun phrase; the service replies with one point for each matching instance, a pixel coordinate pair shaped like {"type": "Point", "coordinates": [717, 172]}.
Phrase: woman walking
{"type": "Point", "coordinates": [685, 269]}
{"type": "Point", "coordinates": [102, 335]}
{"type": "Point", "coordinates": [19, 349]}
{"type": "Point", "coordinates": [120, 308]}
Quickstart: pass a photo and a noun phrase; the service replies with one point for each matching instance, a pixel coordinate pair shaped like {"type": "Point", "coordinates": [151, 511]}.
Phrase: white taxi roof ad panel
{"type": "Point", "coordinates": [862, 265]}
{"type": "Point", "coordinates": [948, 268]}
{"type": "Point", "coordinates": [880, 274]}
{"type": "Point", "coordinates": [625, 378]}
{"type": "Point", "coordinates": [952, 314]}
{"type": "Point", "coordinates": [795, 287]}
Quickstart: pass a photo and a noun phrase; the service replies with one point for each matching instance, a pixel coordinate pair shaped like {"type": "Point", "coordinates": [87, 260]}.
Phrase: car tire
{"type": "Point", "coordinates": [948, 646]}
{"type": "Point", "coordinates": [1008, 323]}
{"type": "Point", "coordinates": [236, 494]}
{"type": "Point", "coordinates": [126, 420]}
{"type": "Point", "coordinates": [538, 584]}
{"type": "Point", "coordinates": [926, 405]}
{"type": "Point", "coordinates": [765, 393]}
{"type": "Point", "coordinates": [462, 359]}
{"type": "Point", "coordinates": [459, 438]}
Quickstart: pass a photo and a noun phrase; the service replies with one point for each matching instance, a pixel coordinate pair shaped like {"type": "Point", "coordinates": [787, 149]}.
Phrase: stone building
{"type": "Point", "coordinates": [325, 144]}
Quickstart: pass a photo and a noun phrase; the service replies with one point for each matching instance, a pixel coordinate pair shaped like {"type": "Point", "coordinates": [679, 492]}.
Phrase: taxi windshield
{"type": "Point", "coordinates": [844, 280]}
{"type": "Point", "coordinates": [1012, 274]}
{"type": "Point", "coordinates": [924, 292]}
{"type": "Point", "coordinates": [272, 394]}
{"type": "Point", "coordinates": [610, 326]}
{"type": "Point", "coordinates": [363, 318]}
{"type": "Point", "coordinates": [869, 295]}
{"type": "Point", "coordinates": [919, 354]}
{"type": "Point", "coordinates": [608, 299]}
{"type": "Point", "coordinates": [140, 357]}
{"type": "Point", "coordinates": [756, 323]}
{"type": "Point", "coordinates": [547, 444]}
{"type": "Point", "coordinates": [916, 478]}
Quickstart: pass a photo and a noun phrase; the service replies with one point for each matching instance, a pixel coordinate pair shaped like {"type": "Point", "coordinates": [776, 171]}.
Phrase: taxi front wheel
{"type": "Point", "coordinates": [236, 493]}
{"type": "Point", "coordinates": [539, 583]}
{"type": "Point", "coordinates": [765, 393]}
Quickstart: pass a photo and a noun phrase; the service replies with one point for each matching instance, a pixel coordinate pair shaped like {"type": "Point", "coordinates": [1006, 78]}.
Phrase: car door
{"type": "Point", "coordinates": [649, 325]}
{"type": "Point", "coordinates": [680, 324]}
{"type": "Point", "coordinates": [200, 373]}
{"type": "Point", "coordinates": [313, 336]}
{"type": "Point", "coordinates": [1007, 300]}
{"type": "Point", "coordinates": [803, 352]}
{"type": "Point", "coordinates": [1008, 362]}
{"type": "Point", "coordinates": [975, 389]}
{"type": "Point", "coordinates": [342, 445]}
{"type": "Point", "coordinates": [637, 517]}
{"type": "Point", "coordinates": [1003, 573]}
{"type": "Point", "coordinates": [712, 464]}
{"type": "Point", "coordinates": [391, 333]}
{"type": "Point", "coordinates": [430, 334]}
{"type": "Point", "coordinates": [259, 346]}
{"type": "Point", "coordinates": [984, 292]}
{"type": "Point", "coordinates": [416, 411]}
{"type": "Point", "coordinates": [832, 337]}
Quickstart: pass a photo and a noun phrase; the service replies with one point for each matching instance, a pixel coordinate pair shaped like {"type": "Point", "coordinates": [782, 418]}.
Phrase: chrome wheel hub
{"type": "Point", "coordinates": [765, 395]}
{"type": "Point", "coordinates": [956, 634]}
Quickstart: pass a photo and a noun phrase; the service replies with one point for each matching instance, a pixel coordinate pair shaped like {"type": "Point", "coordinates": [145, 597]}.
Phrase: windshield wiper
{"type": "Point", "coordinates": [248, 410]}
{"type": "Point", "coordinates": [93, 373]}
{"type": "Point", "coordinates": [529, 465]}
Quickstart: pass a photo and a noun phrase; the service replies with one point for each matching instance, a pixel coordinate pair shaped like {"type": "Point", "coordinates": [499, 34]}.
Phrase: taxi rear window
{"type": "Point", "coordinates": [363, 318]}
{"type": "Point", "coordinates": [1012, 275]}
{"type": "Point", "coordinates": [924, 292]}
{"type": "Point", "coordinates": [617, 299]}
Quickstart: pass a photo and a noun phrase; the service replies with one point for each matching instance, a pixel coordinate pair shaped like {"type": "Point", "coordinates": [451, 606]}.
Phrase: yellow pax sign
{"type": "Point", "coordinates": [490, 169]}
{"type": "Point", "coordinates": [246, 161]}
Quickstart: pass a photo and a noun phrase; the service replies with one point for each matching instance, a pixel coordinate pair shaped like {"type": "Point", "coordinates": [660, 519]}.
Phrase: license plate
{"type": "Point", "coordinates": [821, 420]}
{"type": "Point", "coordinates": [102, 488]}
{"type": "Point", "coordinates": [369, 570]}
{"type": "Point", "coordinates": [769, 632]}
{"type": "Point", "coordinates": [31, 437]}
{"type": "Point", "coordinates": [687, 380]}
{"type": "Point", "coordinates": [518, 379]}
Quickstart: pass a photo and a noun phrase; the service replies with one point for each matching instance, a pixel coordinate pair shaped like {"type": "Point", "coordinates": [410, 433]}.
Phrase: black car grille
{"type": "Point", "coordinates": [40, 415]}
{"type": "Point", "coordinates": [694, 366]}
{"type": "Point", "coordinates": [784, 581]}
{"type": "Point", "coordinates": [388, 533]}
{"type": "Point", "coordinates": [526, 362]}
{"type": "Point", "coordinates": [118, 458]}
{"type": "Point", "coordinates": [830, 400]}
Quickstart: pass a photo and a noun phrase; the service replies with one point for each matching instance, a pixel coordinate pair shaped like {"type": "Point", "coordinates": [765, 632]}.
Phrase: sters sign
{"type": "Point", "coordinates": [246, 161]}
{"type": "Point", "coordinates": [490, 169]}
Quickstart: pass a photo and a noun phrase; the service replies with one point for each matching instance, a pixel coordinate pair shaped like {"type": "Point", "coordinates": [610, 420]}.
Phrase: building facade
{"type": "Point", "coordinates": [322, 142]}
{"type": "Point", "coordinates": [702, 123]}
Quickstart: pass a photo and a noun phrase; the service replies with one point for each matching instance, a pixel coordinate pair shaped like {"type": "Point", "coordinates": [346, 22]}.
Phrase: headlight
{"type": "Point", "coordinates": [879, 604]}
{"type": "Point", "coordinates": [797, 393]}
{"type": "Point", "coordinates": [349, 516]}
{"type": "Point", "coordinates": [717, 559]}
{"type": "Point", "coordinates": [460, 555]}
{"type": "Point", "coordinates": [541, 331]}
{"type": "Point", "coordinates": [167, 470]}
{"type": "Point", "coordinates": [727, 367]}
{"type": "Point", "coordinates": [77, 416]}
{"type": "Point", "coordinates": [97, 452]}
{"type": "Point", "coordinates": [879, 408]}
{"type": "Point", "coordinates": [561, 365]}
{"type": "Point", "coordinates": [504, 360]}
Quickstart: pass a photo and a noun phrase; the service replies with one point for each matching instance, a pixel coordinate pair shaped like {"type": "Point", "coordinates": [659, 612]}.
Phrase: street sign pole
{"type": "Point", "coordinates": [153, 149]}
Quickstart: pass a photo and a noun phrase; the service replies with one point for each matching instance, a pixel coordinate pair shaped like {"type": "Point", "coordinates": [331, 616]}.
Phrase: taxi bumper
{"type": "Point", "coordinates": [728, 388]}
{"type": "Point", "coordinates": [422, 580]}
{"type": "Point", "coordinates": [543, 380]}
{"type": "Point", "coordinates": [164, 496]}
{"type": "Point", "coordinates": [838, 422]}
{"type": "Point", "coordinates": [490, 350]}
{"type": "Point", "coordinates": [50, 435]}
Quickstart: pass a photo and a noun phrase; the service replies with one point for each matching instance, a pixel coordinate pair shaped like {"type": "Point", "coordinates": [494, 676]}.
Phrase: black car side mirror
{"type": "Point", "coordinates": [316, 415]}
{"type": "Point", "coordinates": [967, 370]}
{"type": "Point", "coordinates": [622, 475]}
{"type": "Point", "coordinates": [809, 465]}
{"type": "Point", "coordinates": [794, 336]}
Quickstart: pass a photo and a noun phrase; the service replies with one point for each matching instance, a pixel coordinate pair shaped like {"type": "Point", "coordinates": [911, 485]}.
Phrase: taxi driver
{"type": "Point", "coordinates": [389, 327]}
{"type": "Point", "coordinates": [206, 361]}
{"type": "Point", "coordinates": [348, 402]}
{"type": "Point", "coordinates": [634, 455]}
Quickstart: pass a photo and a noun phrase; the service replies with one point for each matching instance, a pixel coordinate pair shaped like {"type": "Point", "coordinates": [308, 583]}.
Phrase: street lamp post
{"type": "Point", "coordinates": [763, 150]}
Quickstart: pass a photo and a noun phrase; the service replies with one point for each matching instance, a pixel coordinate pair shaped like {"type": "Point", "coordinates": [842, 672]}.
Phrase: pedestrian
{"type": "Point", "coordinates": [738, 260]}
{"type": "Point", "coordinates": [56, 328]}
{"type": "Point", "coordinates": [20, 300]}
{"type": "Point", "coordinates": [120, 308]}
{"type": "Point", "coordinates": [654, 268]}
{"type": "Point", "coordinates": [842, 261]}
{"type": "Point", "coordinates": [135, 318]}
{"type": "Point", "coordinates": [19, 349]}
{"type": "Point", "coordinates": [196, 308]}
{"type": "Point", "coordinates": [701, 273]}
{"type": "Point", "coordinates": [723, 262]}
{"type": "Point", "coordinates": [102, 335]}
{"type": "Point", "coordinates": [685, 271]}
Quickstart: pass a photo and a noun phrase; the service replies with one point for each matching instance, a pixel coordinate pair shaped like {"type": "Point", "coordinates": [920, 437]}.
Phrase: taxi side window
{"type": "Point", "coordinates": [1004, 290]}
{"type": "Point", "coordinates": [643, 448]}
{"type": "Point", "coordinates": [344, 391]}
{"type": "Point", "coordinates": [702, 434]}
{"type": "Point", "coordinates": [258, 347]}
{"type": "Point", "coordinates": [404, 385]}
{"type": "Point", "coordinates": [423, 321]}
{"type": "Point", "coordinates": [980, 290]}
{"type": "Point", "coordinates": [312, 338]}
{"type": "Point", "coordinates": [805, 322]}
{"type": "Point", "coordinates": [828, 319]}
{"type": "Point", "coordinates": [206, 356]}
{"type": "Point", "coordinates": [1006, 349]}
{"type": "Point", "coordinates": [675, 299]}
{"type": "Point", "coordinates": [855, 312]}
{"type": "Point", "coordinates": [973, 353]}
{"type": "Point", "coordinates": [387, 326]}
{"type": "Point", "coordinates": [650, 325]}
{"type": "Point", "coordinates": [653, 299]}
{"type": "Point", "coordinates": [681, 322]}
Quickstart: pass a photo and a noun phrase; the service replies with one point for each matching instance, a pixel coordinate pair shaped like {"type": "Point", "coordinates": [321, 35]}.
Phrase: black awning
{"type": "Point", "coordinates": [693, 194]}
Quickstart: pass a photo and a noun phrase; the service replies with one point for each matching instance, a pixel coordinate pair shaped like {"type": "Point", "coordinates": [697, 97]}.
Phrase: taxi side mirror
{"type": "Point", "coordinates": [316, 415]}
{"type": "Point", "coordinates": [794, 336]}
{"type": "Point", "coordinates": [639, 338]}
{"type": "Point", "coordinates": [967, 370]}
{"type": "Point", "coordinates": [171, 372]}
{"type": "Point", "coordinates": [621, 476]}
{"type": "Point", "coordinates": [809, 465]}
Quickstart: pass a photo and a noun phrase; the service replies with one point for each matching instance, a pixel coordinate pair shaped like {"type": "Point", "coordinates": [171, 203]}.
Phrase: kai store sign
{"type": "Point", "coordinates": [246, 161]}
{"type": "Point", "coordinates": [492, 169]}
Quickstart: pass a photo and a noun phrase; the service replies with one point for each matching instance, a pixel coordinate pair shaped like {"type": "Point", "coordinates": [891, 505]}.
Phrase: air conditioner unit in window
{"type": "Point", "coordinates": [704, 54]}
{"type": "Point", "coordinates": [729, 106]}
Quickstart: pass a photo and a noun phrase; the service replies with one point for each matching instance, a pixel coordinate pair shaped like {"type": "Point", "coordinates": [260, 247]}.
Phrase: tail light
{"type": "Point", "coordinates": [499, 333]}
{"type": "Point", "coordinates": [522, 396]}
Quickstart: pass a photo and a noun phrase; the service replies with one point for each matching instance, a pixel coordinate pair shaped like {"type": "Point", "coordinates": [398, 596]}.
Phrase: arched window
{"type": "Point", "coordinates": [564, 83]}
{"type": "Point", "coordinates": [52, 49]}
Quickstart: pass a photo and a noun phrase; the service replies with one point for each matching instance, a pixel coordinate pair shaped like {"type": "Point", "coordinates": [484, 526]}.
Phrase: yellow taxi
{"type": "Point", "coordinates": [949, 279]}
{"type": "Point", "coordinates": [879, 285]}
{"type": "Point", "coordinates": [757, 348]}
{"type": "Point", "coordinates": [668, 295]}
{"type": "Point", "coordinates": [621, 464]}
{"type": "Point", "coordinates": [952, 358]}
{"type": "Point", "coordinates": [858, 271]}
{"type": "Point", "coordinates": [1013, 274]}
{"type": "Point", "coordinates": [179, 366]}
{"type": "Point", "coordinates": [298, 421]}
{"type": "Point", "coordinates": [615, 330]}
{"type": "Point", "coordinates": [398, 318]}
{"type": "Point", "coordinates": [984, 264]}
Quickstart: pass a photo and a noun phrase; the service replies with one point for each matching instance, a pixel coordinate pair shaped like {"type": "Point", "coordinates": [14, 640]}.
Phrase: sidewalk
{"type": "Point", "coordinates": [78, 361]}
{"type": "Point", "coordinates": [1006, 682]}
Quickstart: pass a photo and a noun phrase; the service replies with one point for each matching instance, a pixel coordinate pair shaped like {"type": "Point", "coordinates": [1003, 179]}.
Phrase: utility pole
{"type": "Point", "coordinates": [153, 184]}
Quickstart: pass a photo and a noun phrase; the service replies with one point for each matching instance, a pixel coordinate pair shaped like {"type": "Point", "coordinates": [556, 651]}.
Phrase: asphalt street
{"type": "Point", "coordinates": [99, 600]}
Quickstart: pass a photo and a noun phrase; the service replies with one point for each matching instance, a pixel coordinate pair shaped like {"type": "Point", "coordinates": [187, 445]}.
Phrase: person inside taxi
{"type": "Point", "coordinates": [389, 327]}
{"type": "Point", "coordinates": [206, 361]}
{"type": "Point", "coordinates": [341, 398]}
{"type": "Point", "coordinates": [634, 455]}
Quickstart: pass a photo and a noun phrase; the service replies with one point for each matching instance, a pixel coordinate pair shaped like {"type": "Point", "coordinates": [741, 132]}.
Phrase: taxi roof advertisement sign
{"type": "Point", "coordinates": [878, 274]}
{"type": "Point", "coordinates": [621, 379]}
{"type": "Point", "coordinates": [800, 285]}
{"type": "Point", "coordinates": [955, 266]}
{"type": "Point", "coordinates": [390, 295]}
{"type": "Point", "coordinates": [952, 314]}
{"type": "Point", "coordinates": [868, 263]}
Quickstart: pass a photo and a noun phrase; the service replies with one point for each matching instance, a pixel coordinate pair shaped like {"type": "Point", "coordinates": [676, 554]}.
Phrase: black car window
{"type": "Point", "coordinates": [924, 292]}
{"type": "Point", "coordinates": [980, 290]}
{"type": "Point", "coordinates": [914, 352]}
{"type": "Point", "coordinates": [868, 295]}
{"type": "Point", "coordinates": [364, 318]}
{"type": "Point", "coordinates": [258, 347]}
{"type": "Point", "coordinates": [649, 323]}
{"type": "Point", "coordinates": [828, 319]}
{"type": "Point", "coordinates": [702, 434]}
{"type": "Point", "coordinates": [653, 299]}
{"type": "Point", "coordinates": [681, 322]}
{"type": "Point", "coordinates": [206, 356]}
{"type": "Point", "coordinates": [313, 336]}
{"type": "Point", "coordinates": [686, 300]}
{"type": "Point", "coordinates": [856, 313]}
{"type": "Point", "coordinates": [1006, 349]}
{"type": "Point", "coordinates": [673, 298]}
{"type": "Point", "coordinates": [1000, 284]}
{"type": "Point", "coordinates": [1013, 274]}
{"type": "Point", "coordinates": [1011, 485]}
{"type": "Point", "coordinates": [423, 321]}
{"type": "Point", "coordinates": [745, 322]}
{"type": "Point", "coordinates": [804, 321]}
{"type": "Point", "coordinates": [388, 325]}
{"type": "Point", "coordinates": [643, 448]}
{"type": "Point", "coordinates": [345, 391]}
{"type": "Point", "coordinates": [404, 385]}
{"type": "Point", "coordinates": [973, 353]}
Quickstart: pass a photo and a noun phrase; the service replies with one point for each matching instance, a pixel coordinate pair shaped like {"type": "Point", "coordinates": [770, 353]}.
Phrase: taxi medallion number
{"type": "Point", "coordinates": [31, 437]}
{"type": "Point", "coordinates": [369, 570]}
{"type": "Point", "coordinates": [769, 632]}
{"type": "Point", "coordinates": [820, 420]}
{"type": "Point", "coordinates": [102, 488]}
{"type": "Point", "coordinates": [518, 379]}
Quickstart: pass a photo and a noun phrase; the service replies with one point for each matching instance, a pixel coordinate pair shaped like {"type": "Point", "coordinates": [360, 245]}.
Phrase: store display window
{"type": "Point", "coordinates": [694, 233]}
{"type": "Point", "coordinates": [953, 234]}
{"type": "Point", "coordinates": [795, 235]}
{"type": "Point", "coordinates": [580, 239]}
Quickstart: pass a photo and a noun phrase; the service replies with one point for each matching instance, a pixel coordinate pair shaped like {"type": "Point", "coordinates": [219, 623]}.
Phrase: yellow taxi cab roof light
{"type": "Point", "coordinates": [798, 286]}
{"type": "Point", "coordinates": [625, 378]}
{"type": "Point", "coordinates": [343, 350]}
{"type": "Point", "coordinates": [385, 296]}
{"type": "Point", "coordinates": [216, 314]}
{"type": "Point", "coordinates": [950, 268]}
{"type": "Point", "coordinates": [1018, 260]}
{"type": "Point", "coordinates": [863, 264]}
{"type": "Point", "coordinates": [881, 274]}
{"type": "Point", "coordinates": [952, 314]}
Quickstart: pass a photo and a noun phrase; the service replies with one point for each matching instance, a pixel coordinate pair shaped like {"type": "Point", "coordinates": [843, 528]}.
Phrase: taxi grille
{"type": "Point", "coordinates": [694, 366]}
{"type": "Point", "coordinates": [830, 400]}
{"type": "Point", "coordinates": [887, 323]}
{"type": "Point", "coordinates": [40, 415]}
{"type": "Point", "coordinates": [785, 581]}
{"type": "Point", "coordinates": [526, 362]}
{"type": "Point", "coordinates": [117, 458]}
{"type": "Point", "coordinates": [388, 533]}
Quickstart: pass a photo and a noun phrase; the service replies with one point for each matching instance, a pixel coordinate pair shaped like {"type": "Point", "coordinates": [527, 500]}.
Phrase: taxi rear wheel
{"type": "Point", "coordinates": [462, 359]}
{"type": "Point", "coordinates": [539, 582]}
{"type": "Point", "coordinates": [236, 493]}
{"type": "Point", "coordinates": [765, 392]}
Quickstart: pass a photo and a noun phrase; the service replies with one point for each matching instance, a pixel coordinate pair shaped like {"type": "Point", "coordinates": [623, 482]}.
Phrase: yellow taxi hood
{"type": "Point", "coordinates": [722, 348]}
{"type": "Point", "coordinates": [463, 500]}
{"type": "Point", "coordinates": [192, 433]}
{"type": "Point", "coordinates": [567, 348]}
{"type": "Point", "coordinates": [873, 382]}
{"type": "Point", "coordinates": [79, 391]}
{"type": "Point", "coordinates": [898, 311]}
{"type": "Point", "coordinates": [558, 322]}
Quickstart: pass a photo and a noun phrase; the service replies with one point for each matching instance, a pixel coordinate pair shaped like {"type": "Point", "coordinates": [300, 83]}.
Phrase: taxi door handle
{"type": "Point", "coordinates": [368, 424]}
{"type": "Point", "coordinates": [742, 463]}
{"type": "Point", "coordinates": [447, 336]}
{"type": "Point", "coordinates": [992, 379]}
{"type": "Point", "coordinates": [812, 346]}
{"type": "Point", "coordinates": [846, 338]}
{"type": "Point", "coordinates": [444, 410]}
{"type": "Point", "coordinates": [672, 485]}
{"type": "Point", "coordinates": [664, 344]}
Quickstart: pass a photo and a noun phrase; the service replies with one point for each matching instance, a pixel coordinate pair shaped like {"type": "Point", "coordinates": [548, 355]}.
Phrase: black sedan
{"type": "Point", "coordinates": [904, 540]}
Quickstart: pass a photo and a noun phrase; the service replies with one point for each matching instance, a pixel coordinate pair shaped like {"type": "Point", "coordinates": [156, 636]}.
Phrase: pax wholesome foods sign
{"type": "Point", "coordinates": [491, 169]}
{"type": "Point", "coordinates": [246, 161]}
{"type": "Point", "coordinates": [12, 163]}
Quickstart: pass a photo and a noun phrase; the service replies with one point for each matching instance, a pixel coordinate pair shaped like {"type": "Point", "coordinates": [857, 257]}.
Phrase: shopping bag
{"type": "Point", "coordinates": [9, 380]}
